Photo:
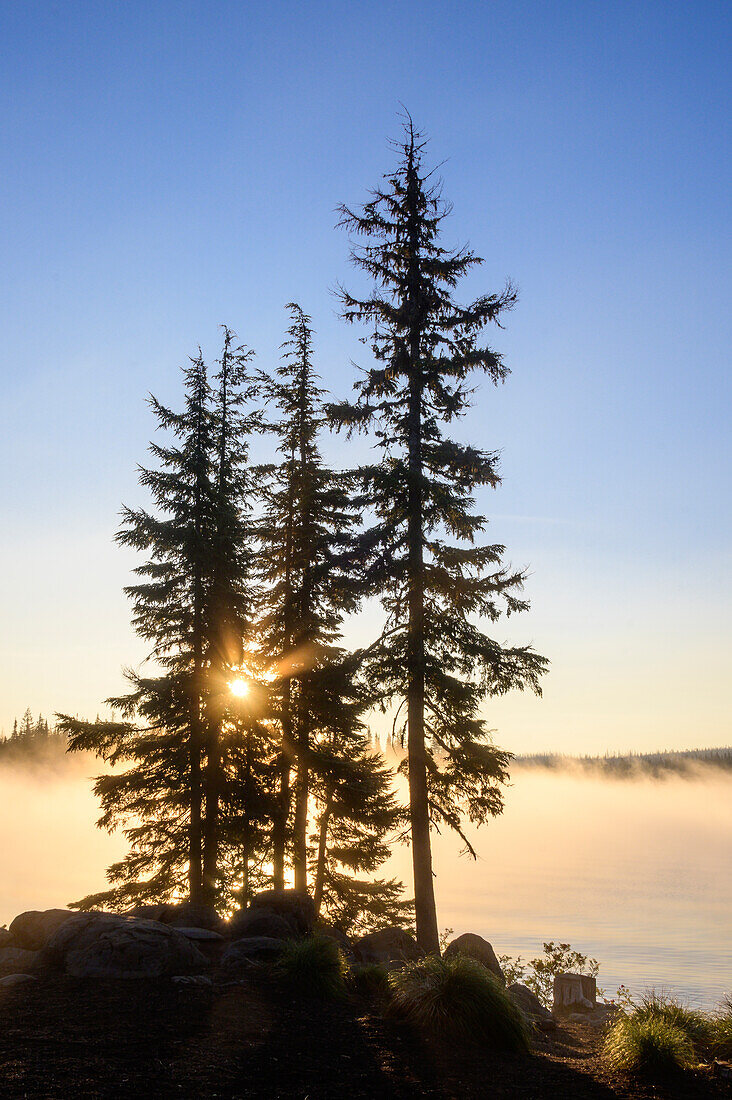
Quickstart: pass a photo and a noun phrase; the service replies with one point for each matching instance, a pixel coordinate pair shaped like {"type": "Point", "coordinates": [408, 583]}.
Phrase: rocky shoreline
{"type": "Point", "coordinates": [171, 1000]}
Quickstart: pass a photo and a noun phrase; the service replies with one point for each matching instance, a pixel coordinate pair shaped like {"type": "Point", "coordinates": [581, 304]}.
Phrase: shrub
{"type": "Point", "coordinates": [458, 999]}
{"type": "Point", "coordinates": [313, 966]}
{"type": "Point", "coordinates": [720, 1031]}
{"type": "Point", "coordinates": [369, 980]}
{"type": "Point", "coordinates": [647, 1044]}
{"type": "Point", "coordinates": [538, 974]}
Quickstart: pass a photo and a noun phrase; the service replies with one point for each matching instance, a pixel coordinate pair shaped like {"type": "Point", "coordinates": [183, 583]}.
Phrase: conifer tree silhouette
{"type": "Point", "coordinates": [433, 657]}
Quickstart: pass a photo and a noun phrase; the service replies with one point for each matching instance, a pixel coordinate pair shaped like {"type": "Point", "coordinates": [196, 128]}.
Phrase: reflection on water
{"type": "Point", "coordinates": [636, 873]}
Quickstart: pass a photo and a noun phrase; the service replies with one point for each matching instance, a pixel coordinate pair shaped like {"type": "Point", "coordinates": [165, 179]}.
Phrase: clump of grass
{"type": "Point", "coordinates": [720, 1031]}
{"type": "Point", "coordinates": [660, 1006]}
{"type": "Point", "coordinates": [369, 980]}
{"type": "Point", "coordinates": [458, 999]}
{"type": "Point", "coordinates": [313, 967]}
{"type": "Point", "coordinates": [647, 1044]}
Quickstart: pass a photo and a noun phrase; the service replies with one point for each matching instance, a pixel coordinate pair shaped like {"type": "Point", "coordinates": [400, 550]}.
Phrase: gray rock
{"type": "Point", "coordinates": [192, 979]}
{"type": "Point", "coordinates": [389, 947]}
{"type": "Point", "coordinates": [11, 980]}
{"type": "Point", "coordinates": [295, 906]}
{"type": "Point", "coordinates": [475, 947]}
{"type": "Point", "coordinates": [261, 922]}
{"type": "Point", "coordinates": [200, 935]}
{"type": "Point", "coordinates": [33, 930]}
{"type": "Point", "coordinates": [186, 914]}
{"type": "Point", "coordinates": [531, 1007]}
{"type": "Point", "coordinates": [332, 933]}
{"type": "Point", "coordinates": [16, 960]}
{"type": "Point", "coordinates": [244, 953]}
{"type": "Point", "coordinates": [101, 945]}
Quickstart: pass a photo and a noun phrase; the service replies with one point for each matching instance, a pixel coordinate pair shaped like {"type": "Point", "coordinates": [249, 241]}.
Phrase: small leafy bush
{"type": "Point", "coordinates": [369, 980]}
{"type": "Point", "coordinates": [648, 1045]}
{"type": "Point", "coordinates": [312, 967]}
{"type": "Point", "coordinates": [538, 974]}
{"type": "Point", "coordinates": [458, 999]}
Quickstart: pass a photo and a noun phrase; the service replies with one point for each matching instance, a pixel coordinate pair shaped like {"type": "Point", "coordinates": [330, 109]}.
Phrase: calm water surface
{"type": "Point", "coordinates": [634, 872]}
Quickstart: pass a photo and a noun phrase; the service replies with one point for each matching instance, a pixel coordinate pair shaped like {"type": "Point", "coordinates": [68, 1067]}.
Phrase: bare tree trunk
{"type": "Point", "coordinates": [322, 850]}
{"type": "Point", "coordinates": [419, 814]}
{"type": "Point", "coordinates": [302, 791]}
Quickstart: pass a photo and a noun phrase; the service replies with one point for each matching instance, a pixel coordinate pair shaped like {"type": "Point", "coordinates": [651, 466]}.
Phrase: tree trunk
{"type": "Point", "coordinates": [195, 876]}
{"type": "Point", "coordinates": [211, 823]}
{"type": "Point", "coordinates": [279, 825]}
{"type": "Point", "coordinates": [322, 850]}
{"type": "Point", "coordinates": [419, 815]}
{"type": "Point", "coordinates": [302, 790]}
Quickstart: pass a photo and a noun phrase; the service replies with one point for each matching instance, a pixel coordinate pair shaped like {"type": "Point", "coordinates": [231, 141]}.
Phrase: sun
{"type": "Point", "coordinates": [239, 688]}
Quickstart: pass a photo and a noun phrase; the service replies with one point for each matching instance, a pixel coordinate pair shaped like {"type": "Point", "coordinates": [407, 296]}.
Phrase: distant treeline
{"type": "Point", "coordinates": [634, 763]}
{"type": "Point", "coordinates": [31, 738]}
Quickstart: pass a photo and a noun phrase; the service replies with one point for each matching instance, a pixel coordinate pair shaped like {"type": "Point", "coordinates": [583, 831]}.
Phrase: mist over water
{"type": "Point", "coordinates": [51, 852]}
{"type": "Point", "coordinates": [635, 872]}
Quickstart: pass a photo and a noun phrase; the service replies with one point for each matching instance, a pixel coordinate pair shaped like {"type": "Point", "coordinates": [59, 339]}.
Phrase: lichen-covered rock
{"type": "Point", "coordinates": [475, 947]}
{"type": "Point", "coordinates": [242, 954]}
{"type": "Point", "coordinates": [389, 947]}
{"type": "Point", "coordinates": [33, 930]}
{"type": "Point", "coordinates": [294, 906]}
{"type": "Point", "coordinates": [261, 922]}
{"type": "Point", "coordinates": [101, 945]}
{"type": "Point", "coordinates": [188, 914]}
{"type": "Point", "coordinates": [531, 1007]}
{"type": "Point", "coordinates": [16, 960]}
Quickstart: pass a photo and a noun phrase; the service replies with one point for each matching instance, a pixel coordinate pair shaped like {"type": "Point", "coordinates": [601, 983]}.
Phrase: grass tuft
{"type": "Point", "coordinates": [647, 1044]}
{"type": "Point", "coordinates": [312, 967]}
{"type": "Point", "coordinates": [720, 1031]}
{"type": "Point", "coordinates": [660, 1006]}
{"type": "Point", "coordinates": [458, 999]}
{"type": "Point", "coordinates": [369, 980]}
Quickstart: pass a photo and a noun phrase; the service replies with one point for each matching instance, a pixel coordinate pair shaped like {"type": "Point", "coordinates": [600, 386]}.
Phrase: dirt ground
{"type": "Point", "coordinates": [67, 1038]}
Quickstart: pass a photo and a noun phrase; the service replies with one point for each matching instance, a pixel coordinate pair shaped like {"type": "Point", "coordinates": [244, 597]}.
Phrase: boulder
{"type": "Point", "coordinates": [261, 922]}
{"type": "Point", "coordinates": [574, 993]}
{"type": "Point", "coordinates": [333, 933]}
{"type": "Point", "coordinates": [16, 960]}
{"type": "Point", "coordinates": [11, 980]}
{"type": "Point", "coordinates": [187, 914]}
{"type": "Point", "coordinates": [531, 1007]}
{"type": "Point", "coordinates": [34, 929]}
{"type": "Point", "coordinates": [5, 938]}
{"type": "Point", "coordinates": [389, 947]}
{"type": "Point", "coordinates": [146, 912]}
{"type": "Point", "coordinates": [475, 947]}
{"type": "Point", "coordinates": [242, 954]}
{"type": "Point", "coordinates": [295, 906]}
{"type": "Point", "coordinates": [200, 935]}
{"type": "Point", "coordinates": [101, 945]}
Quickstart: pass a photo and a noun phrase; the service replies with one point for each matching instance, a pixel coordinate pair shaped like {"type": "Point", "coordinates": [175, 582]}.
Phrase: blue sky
{"type": "Point", "coordinates": [171, 166]}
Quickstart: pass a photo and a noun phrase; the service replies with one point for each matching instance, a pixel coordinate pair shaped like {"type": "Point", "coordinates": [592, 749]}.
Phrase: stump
{"type": "Point", "coordinates": [574, 993]}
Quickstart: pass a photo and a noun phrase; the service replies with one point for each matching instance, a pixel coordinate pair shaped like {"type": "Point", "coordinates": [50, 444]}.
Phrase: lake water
{"type": "Point", "coordinates": [634, 872]}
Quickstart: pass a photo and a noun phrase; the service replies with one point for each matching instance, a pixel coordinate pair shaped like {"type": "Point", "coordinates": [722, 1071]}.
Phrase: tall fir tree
{"type": "Point", "coordinates": [435, 582]}
{"type": "Point", "coordinates": [311, 582]}
{"type": "Point", "coordinates": [192, 604]}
